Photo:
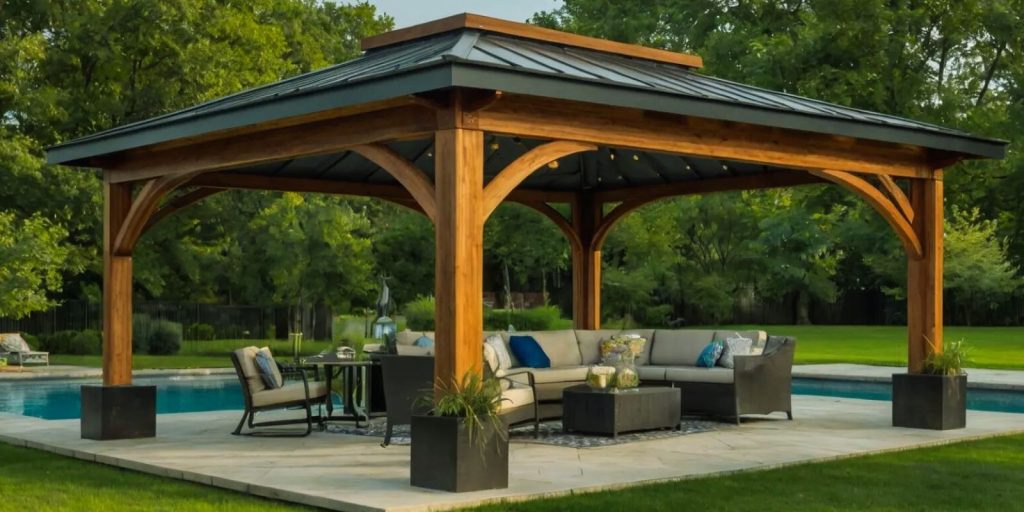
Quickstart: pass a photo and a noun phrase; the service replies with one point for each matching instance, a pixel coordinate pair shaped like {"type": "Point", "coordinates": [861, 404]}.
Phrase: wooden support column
{"type": "Point", "coordinates": [586, 263]}
{"type": "Point", "coordinates": [117, 288]}
{"type": "Point", "coordinates": [924, 274]}
{"type": "Point", "coordinates": [459, 225]}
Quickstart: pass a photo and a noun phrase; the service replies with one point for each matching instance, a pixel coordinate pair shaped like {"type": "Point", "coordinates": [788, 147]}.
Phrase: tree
{"type": "Point", "coordinates": [33, 257]}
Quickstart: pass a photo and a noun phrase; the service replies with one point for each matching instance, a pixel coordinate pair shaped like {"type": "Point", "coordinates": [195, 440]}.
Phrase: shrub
{"type": "Point", "coordinates": [201, 332]}
{"type": "Point", "coordinates": [140, 333]}
{"type": "Point", "coordinates": [33, 341]}
{"type": "Point", "coordinates": [419, 314]}
{"type": "Point", "coordinates": [78, 343]}
{"type": "Point", "coordinates": [164, 338]}
{"type": "Point", "coordinates": [540, 318]}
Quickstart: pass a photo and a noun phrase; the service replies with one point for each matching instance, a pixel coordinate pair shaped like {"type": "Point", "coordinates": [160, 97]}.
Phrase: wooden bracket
{"type": "Point", "coordinates": [410, 176]}
{"type": "Point", "coordinates": [143, 206]}
{"type": "Point", "coordinates": [512, 175]}
{"type": "Point", "coordinates": [560, 221]}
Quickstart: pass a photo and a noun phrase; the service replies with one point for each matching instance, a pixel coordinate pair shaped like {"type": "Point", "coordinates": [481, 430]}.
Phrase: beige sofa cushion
{"type": "Point", "coordinates": [561, 347]}
{"type": "Point", "coordinates": [407, 337]}
{"type": "Point", "coordinates": [590, 343]}
{"type": "Point", "coordinates": [679, 346]}
{"type": "Point", "coordinates": [516, 397]}
{"type": "Point", "coordinates": [413, 350]}
{"type": "Point", "coordinates": [577, 374]}
{"type": "Point", "coordinates": [651, 372]}
{"type": "Point", "coordinates": [292, 392]}
{"type": "Point", "coordinates": [648, 334]}
{"type": "Point", "coordinates": [715, 375]}
{"type": "Point", "coordinates": [247, 361]}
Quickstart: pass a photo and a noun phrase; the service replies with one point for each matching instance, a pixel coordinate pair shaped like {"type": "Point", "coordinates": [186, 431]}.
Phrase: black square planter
{"type": "Point", "coordinates": [936, 402]}
{"type": "Point", "coordinates": [118, 412]}
{"type": "Point", "coordinates": [443, 457]}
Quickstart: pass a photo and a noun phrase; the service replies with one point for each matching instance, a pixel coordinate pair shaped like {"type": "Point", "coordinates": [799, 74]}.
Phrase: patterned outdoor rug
{"type": "Point", "coordinates": [550, 433]}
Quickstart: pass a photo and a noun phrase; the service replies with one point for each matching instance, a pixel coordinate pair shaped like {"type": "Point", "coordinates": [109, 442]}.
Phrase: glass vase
{"type": "Point", "coordinates": [626, 376]}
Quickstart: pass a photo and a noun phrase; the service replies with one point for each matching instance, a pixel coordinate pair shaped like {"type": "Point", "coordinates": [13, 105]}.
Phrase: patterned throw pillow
{"type": "Point", "coordinates": [529, 352]}
{"type": "Point", "coordinates": [709, 356]}
{"type": "Point", "coordinates": [268, 369]}
{"type": "Point", "coordinates": [500, 351]}
{"type": "Point", "coordinates": [734, 346]}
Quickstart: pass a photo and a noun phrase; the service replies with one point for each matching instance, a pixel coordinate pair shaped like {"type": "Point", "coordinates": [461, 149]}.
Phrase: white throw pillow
{"type": "Point", "coordinates": [500, 351]}
{"type": "Point", "coordinates": [734, 346]}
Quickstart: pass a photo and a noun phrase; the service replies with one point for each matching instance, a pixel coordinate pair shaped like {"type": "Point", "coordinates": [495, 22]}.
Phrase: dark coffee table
{"type": "Point", "coordinates": [612, 412]}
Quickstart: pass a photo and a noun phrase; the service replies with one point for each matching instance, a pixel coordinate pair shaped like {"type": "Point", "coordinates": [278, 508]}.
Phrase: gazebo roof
{"type": "Point", "coordinates": [476, 52]}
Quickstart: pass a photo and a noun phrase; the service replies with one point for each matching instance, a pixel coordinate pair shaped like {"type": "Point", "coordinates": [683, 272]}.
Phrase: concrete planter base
{"type": "Point", "coordinates": [118, 412]}
{"type": "Point", "coordinates": [444, 458]}
{"type": "Point", "coordinates": [936, 402]}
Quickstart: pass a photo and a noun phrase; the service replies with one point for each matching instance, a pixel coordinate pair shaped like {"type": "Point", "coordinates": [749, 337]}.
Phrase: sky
{"type": "Point", "coordinates": [412, 12]}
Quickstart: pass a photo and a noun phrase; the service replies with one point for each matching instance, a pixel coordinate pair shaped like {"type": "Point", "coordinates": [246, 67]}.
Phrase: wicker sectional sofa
{"type": "Point", "coordinates": [759, 384]}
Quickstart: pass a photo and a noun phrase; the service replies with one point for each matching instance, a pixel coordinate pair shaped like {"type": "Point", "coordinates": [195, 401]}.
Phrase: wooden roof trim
{"type": "Point", "coordinates": [525, 31]}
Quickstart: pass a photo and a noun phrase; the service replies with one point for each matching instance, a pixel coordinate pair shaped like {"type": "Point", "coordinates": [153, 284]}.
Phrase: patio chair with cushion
{"type": "Point", "coordinates": [265, 389]}
{"type": "Point", "coordinates": [15, 350]}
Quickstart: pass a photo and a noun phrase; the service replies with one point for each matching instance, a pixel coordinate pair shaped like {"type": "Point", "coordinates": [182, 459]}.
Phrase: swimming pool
{"type": "Point", "coordinates": [61, 399]}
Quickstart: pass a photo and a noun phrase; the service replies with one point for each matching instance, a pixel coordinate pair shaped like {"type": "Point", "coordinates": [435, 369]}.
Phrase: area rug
{"type": "Point", "coordinates": [550, 433]}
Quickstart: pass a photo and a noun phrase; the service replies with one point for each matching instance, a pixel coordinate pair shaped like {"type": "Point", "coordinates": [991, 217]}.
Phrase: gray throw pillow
{"type": "Point", "coordinates": [500, 350]}
{"type": "Point", "coordinates": [265, 362]}
{"type": "Point", "coordinates": [736, 346]}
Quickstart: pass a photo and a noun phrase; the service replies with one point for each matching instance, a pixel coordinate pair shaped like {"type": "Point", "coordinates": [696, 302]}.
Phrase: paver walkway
{"type": "Point", "coordinates": [354, 473]}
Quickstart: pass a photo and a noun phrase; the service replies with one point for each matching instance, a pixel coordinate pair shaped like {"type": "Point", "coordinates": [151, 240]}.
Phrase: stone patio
{"type": "Point", "coordinates": [354, 473]}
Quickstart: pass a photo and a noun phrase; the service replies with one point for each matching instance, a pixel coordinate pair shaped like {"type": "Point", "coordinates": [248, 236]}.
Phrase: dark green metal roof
{"type": "Point", "coordinates": [475, 59]}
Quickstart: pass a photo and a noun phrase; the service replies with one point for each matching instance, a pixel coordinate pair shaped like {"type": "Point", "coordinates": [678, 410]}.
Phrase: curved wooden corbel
{"type": "Point", "coordinates": [511, 176]}
{"type": "Point", "coordinates": [896, 193]}
{"type": "Point", "coordinates": [410, 176]}
{"type": "Point", "coordinates": [889, 211]}
{"type": "Point", "coordinates": [180, 203]}
{"type": "Point", "coordinates": [611, 218]}
{"type": "Point", "coordinates": [143, 207]}
{"type": "Point", "coordinates": [560, 221]}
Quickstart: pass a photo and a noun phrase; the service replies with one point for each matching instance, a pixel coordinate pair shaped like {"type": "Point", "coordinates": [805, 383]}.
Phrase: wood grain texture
{"type": "Point", "coordinates": [924, 275]}
{"type": "Point", "coordinates": [413, 179]}
{"type": "Point", "coordinates": [637, 129]}
{"type": "Point", "coordinates": [564, 225]}
{"type": "Point", "coordinates": [143, 206]}
{"type": "Point", "coordinates": [897, 195]}
{"type": "Point", "coordinates": [180, 203]}
{"type": "Point", "coordinates": [521, 168]}
{"type": "Point", "coordinates": [586, 263]}
{"type": "Point", "coordinates": [773, 179]}
{"type": "Point", "coordinates": [117, 289]}
{"type": "Point", "coordinates": [317, 138]}
{"type": "Point", "coordinates": [459, 256]}
{"type": "Point", "coordinates": [525, 31]}
{"type": "Point", "coordinates": [881, 204]}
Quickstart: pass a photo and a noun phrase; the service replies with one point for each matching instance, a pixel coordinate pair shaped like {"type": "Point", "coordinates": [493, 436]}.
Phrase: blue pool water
{"type": "Point", "coordinates": [61, 399]}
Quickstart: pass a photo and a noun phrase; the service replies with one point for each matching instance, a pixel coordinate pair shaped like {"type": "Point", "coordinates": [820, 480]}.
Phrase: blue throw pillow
{"type": "Point", "coordinates": [709, 356]}
{"type": "Point", "coordinates": [528, 352]}
{"type": "Point", "coordinates": [423, 341]}
{"type": "Point", "coordinates": [267, 366]}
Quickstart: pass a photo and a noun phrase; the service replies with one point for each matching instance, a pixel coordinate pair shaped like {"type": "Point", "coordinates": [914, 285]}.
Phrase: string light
{"type": "Point", "coordinates": [495, 146]}
{"type": "Point", "coordinates": [636, 157]}
{"type": "Point", "coordinates": [553, 164]}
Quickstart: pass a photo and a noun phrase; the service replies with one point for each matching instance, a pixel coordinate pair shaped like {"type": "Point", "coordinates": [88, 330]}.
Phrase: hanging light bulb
{"type": "Point", "coordinates": [495, 146]}
{"type": "Point", "coordinates": [553, 164]}
{"type": "Point", "coordinates": [611, 154]}
{"type": "Point", "coordinates": [636, 157]}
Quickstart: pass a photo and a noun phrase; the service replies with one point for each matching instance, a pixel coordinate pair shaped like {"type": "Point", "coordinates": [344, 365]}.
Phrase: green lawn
{"type": "Point", "coordinates": [991, 347]}
{"type": "Point", "coordinates": [978, 475]}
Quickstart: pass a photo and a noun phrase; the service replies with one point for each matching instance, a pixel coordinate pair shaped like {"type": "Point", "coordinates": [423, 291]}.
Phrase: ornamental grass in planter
{"type": "Point", "coordinates": [461, 445]}
{"type": "Point", "coordinates": [935, 399]}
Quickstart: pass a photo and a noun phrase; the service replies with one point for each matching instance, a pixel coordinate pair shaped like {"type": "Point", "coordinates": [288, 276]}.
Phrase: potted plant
{"type": "Point", "coordinates": [461, 444]}
{"type": "Point", "coordinates": [936, 398]}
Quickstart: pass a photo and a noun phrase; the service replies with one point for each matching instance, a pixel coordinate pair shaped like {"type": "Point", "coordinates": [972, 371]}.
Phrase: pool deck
{"type": "Point", "coordinates": [343, 472]}
{"type": "Point", "coordinates": [980, 378]}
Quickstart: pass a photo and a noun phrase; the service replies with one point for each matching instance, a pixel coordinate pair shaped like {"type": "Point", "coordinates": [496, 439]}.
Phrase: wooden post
{"type": "Point", "coordinates": [586, 264]}
{"type": "Point", "coordinates": [924, 275]}
{"type": "Point", "coordinates": [117, 288]}
{"type": "Point", "coordinates": [459, 268]}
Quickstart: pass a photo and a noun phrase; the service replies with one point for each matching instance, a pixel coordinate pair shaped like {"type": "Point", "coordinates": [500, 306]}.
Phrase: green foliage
{"type": "Point", "coordinates": [473, 398]}
{"type": "Point", "coordinates": [540, 318]}
{"type": "Point", "coordinates": [33, 257]}
{"type": "Point", "coordinates": [32, 340]}
{"type": "Point", "coordinates": [419, 314]}
{"type": "Point", "coordinates": [951, 361]}
{"type": "Point", "coordinates": [164, 338]}
{"type": "Point", "coordinates": [201, 332]}
{"type": "Point", "coordinates": [87, 342]}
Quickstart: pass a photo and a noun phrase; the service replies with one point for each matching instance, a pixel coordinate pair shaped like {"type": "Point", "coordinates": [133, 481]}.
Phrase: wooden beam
{"type": "Point", "coordinates": [525, 31]}
{"type": "Point", "coordinates": [521, 168]}
{"type": "Point", "coordinates": [318, 138]}
{"type": "Point", "coordinates": [143, 206]}
{"type": "Point", "coordinates": [410, 176]}
{"type": "Point", "coordinates": [459, 260]}
{"type": "Point", "coordinates": [180, 203]}
{"type": "Point", "coordinates": [881, 204]}
{"type": "Point", "coordinates": [924, 275]}
{"type": "Point", "coordinates": [896, 193]}
{"type": "Point", "coordinates": [636, 129]}
{"type": "Point", "coordinates": [586, 262]}
{"type": "Point", "coordinates": [771, 179]}
{"type": "Point", "coordinates": [563, 224]}
{"type": "Point", "coordinates": [525, 195]}
{"type": "Point", "coordinates": [117, 289]}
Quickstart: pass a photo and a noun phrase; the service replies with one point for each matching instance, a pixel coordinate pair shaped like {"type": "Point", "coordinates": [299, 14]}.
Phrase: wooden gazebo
{"type": "Point", "coordinates": [453, 117]}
